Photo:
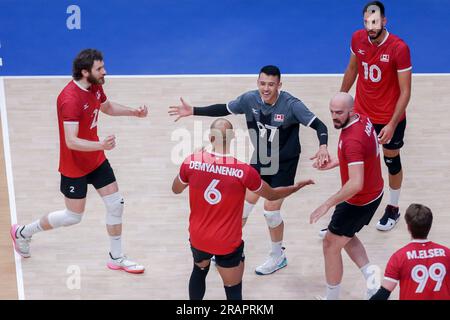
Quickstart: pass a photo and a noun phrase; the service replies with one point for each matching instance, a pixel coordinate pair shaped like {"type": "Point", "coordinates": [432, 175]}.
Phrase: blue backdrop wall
{"type": "Point", "coordinates": [40, 37]}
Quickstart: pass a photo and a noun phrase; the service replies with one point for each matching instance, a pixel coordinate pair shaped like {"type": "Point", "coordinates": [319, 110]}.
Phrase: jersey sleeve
{"type": "Point", "coordinates": [353, 152]}
{"type": "Point", "coordinates": [301, 112]}
{"type": "Point", "coordinates": [103, 97]}
{"type": "Point", "coordinates": [252, 179]}
{"type": "Point", "coordinates": [240, 104]}
{"type": "Point", "coordinates": [184, 173]}
{"type": "Point", "coordinates": [392, 272]}
{"type": "Point", "coordinates": [403, 58]}
{"type": "Point", "coordinates": [70, 110]}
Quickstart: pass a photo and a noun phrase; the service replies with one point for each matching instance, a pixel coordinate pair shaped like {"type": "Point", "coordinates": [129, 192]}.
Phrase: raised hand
{"type": "Point", "coordinates": [322, 157]}
{"type": "Point", "coordinates": [332, 163]}
{"type": "Point", "coordinates": [141, 112]}
{"type": "Point", "coordinates": [183, 110]}
{"type": "Point", "coordinates": [301, 184]}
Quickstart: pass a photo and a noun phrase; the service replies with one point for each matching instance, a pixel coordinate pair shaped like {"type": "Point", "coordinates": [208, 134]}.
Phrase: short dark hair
{"type": "Point", "coordinates": [271, 71]}
{"type": "Point", "coordinates": [419, 219]}
{"type": "Point", "coordinates": [375, 3]}
{"type": "Point", "coordinates": [84, 61]}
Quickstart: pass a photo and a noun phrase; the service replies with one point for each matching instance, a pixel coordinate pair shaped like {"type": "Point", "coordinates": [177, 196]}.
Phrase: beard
{"type": "Point", "coordinates": [340, 125]}
{"type": "Point", "coordinates": [376, 35]}
{"type": "Point", "coordinates": [93, 80]}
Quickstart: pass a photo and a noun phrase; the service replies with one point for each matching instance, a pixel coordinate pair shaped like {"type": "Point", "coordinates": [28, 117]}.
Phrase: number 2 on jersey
{"type": "Point", "coordinates": [95, 119]}
{"type": "Point", "coordinates": [212, 195]}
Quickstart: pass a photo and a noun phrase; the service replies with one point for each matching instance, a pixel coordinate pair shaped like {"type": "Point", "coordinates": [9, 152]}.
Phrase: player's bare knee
{"type": "Point", "coordinates": [273, 218]}
{"type": "Point", "coordinates": [114, 208]}
{"type": "Point", "coordinates": [394, 164]}
{"type": "Point", "coordinates": [203, 264]}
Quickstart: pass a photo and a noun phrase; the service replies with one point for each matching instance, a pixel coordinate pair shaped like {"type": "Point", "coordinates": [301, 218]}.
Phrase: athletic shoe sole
{"type": "Point", "coordinates": [115, 267]}
{"type": "Point", "coordinates": [280, 266]}
{"type": "Point", "coordinates": [382, 227]}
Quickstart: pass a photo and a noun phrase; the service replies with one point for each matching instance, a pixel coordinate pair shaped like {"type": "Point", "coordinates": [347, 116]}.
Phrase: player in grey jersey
{"type": "Point", "coordinates": [273, 119]}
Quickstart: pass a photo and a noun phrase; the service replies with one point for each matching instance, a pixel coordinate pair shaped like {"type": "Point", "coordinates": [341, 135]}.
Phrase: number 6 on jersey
{"type": "Point", "coordinates": [212, 195]}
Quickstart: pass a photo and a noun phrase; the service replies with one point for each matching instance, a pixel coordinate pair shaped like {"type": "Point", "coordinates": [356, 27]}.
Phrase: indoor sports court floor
{"type": "Point", "coordinates": [155, 229]}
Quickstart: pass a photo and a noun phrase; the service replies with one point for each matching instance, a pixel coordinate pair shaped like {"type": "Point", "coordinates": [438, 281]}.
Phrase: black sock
{"type": "Point", "coordinates": [197, 282]}
{"type": "Point", "coordinates": [234, 292]}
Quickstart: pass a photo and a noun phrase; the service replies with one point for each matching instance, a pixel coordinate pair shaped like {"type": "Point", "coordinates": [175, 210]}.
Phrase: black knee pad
{"type": "Point", "coordinates": [234, 292]}
{"type": "Point", "coordinates": [394, 164]}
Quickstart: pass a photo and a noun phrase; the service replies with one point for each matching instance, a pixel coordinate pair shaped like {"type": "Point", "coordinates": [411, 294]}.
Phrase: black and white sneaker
{"type": "Point", "coordinates": [389, 219]}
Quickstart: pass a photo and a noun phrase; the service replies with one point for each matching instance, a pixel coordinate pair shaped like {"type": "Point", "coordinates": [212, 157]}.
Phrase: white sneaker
{"type": "Point", "coordinates": [322, 233]}
{"type": "Point", "coordinates": [21, 244]}
{"type": "Point", "coordinates": [272, 264]}
{"type": "Point", "coordinates": [123, 263]}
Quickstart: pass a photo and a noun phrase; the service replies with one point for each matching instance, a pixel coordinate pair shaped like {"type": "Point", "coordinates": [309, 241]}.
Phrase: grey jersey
{"type": "Point", "coordinates": [276, 126]}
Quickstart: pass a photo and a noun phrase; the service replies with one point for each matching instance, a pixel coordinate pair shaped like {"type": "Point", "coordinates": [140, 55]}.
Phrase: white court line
{"type": "Point", "coordinates": [168, 76]}
{"type": "Point", "coordinates": [9, 178]}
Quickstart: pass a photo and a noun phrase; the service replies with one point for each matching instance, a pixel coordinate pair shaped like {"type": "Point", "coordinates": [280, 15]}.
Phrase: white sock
{"type": "Point", "coordinates": [371, 274]}
{"type": "Point", "coordinates": [366, 273]}
{"type": "Point", "coordinates": [394, 196]}
{"type": "Point", "coordinates": [116, 246]}
{"type": "Point", "coordinates": [333, 292]}
{"type": "Point", "coordinates": [277, 249]}
{"type": "Point", "coordinates": [28, 230]}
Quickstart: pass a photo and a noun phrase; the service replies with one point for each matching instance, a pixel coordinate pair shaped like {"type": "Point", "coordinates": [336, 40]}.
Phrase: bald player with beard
{"type": "Point", "coordinates": [217, 185]}
{"type": "Point", "coordinates": [359, 197]}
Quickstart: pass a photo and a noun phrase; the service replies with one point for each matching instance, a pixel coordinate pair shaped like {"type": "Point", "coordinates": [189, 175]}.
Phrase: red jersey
{"type": "Point", "coordinates": [358, 144]}
{"type": "Point", "coordinates": [78, 105]}
{"type": "Point", "coordinates": [377, 88]}
{"type": "Point", "coordinates": [217, 185]}
{"type": "Point", "coordinates": [422, 269]}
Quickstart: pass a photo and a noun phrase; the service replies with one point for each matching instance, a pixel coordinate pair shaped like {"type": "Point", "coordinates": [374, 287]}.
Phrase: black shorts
{"type": "Point", "coordinates": [349, 219]}
{"type": "Point", "coordinates": [397, 139]}
{"type": "Point", "coordinates": [285, 175]}
{"type": "Point", "coordinates": [230, 260]}
{"type": "Point", "coordinates": [76, 188]}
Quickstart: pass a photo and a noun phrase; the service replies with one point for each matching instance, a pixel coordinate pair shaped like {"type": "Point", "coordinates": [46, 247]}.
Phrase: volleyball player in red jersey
{"type": "Point", "coordinates": [217, 184]}
{"type": "Point", "coordinates": [358, 199]}
{"type": "Point", "coordinates": [82, 159]}
{"type": "Point", "coordinates": [382, 62]}
{"type": "Point", "coordinates": [421, 267]}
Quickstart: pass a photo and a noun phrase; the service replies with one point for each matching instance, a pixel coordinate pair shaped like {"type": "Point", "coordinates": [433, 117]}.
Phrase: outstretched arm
{"type": "Point", "coordinates": [272, 194]}
{"type": "Point", "coordinates": [186, 110]}
{"type": "Point", "coordinates": [116, 109]}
